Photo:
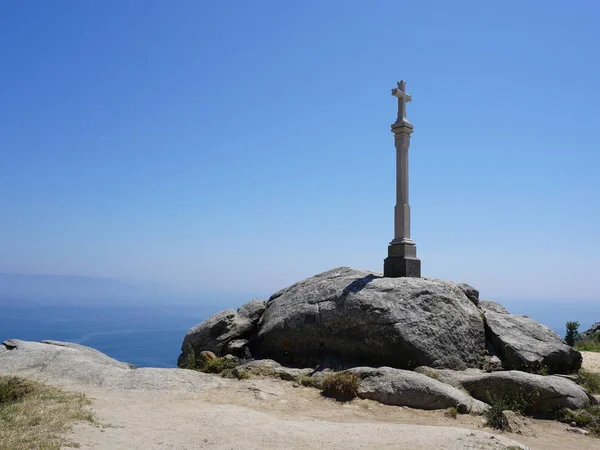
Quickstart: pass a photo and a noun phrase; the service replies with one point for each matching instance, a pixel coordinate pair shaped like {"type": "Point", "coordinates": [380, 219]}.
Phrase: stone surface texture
{"type": "Point", "coordinates": [268, 367]}
{"type": "Point", "coordinates": [524, 344]}
{"type": "Point", "coordinates": [225, 328]}
{"type": "Point", "coordinates": [493, 307]}
{"type": "Point", "coordinates": [517, 424]}
{"type": "Point", "coordinates": [553, 392]}
{"type": "Point", "coordinates": [361, 318]}
{"type": "Point", "coordinates": [80, 364]}
{"type": "Point", "coordinates": [347, 317]}
{"type": "Point", "coordinates": [406, 388]}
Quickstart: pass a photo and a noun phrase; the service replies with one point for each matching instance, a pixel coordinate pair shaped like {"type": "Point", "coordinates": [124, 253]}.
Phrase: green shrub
{"type": "Point", "coordinates": [452, 412]}
{"type": "Point", "coordinates": [572, 333]}
{"type": "Point", "coordinates": [589, 380]}
{"type": "Point", "coordinates": [341, 386]}
{"type": "Point", "coordinates": [585, 418]}
{"type": "Point", "coordinates": [494, 417]}
{"type": "Point", "coordinates": [518, 401]}
{"type": "Point", "coordinates": [217, 365]}
{"type": "Point", "coordinates": [589, 418]}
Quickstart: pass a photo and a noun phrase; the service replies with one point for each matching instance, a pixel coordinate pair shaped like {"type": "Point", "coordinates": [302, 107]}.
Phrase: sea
{"type": "Point", "coordinates": [145, 336]}
{"type": "Point", "coordinates": [151, 335]}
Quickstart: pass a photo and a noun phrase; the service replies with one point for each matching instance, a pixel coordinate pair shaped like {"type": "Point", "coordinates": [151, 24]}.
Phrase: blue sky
{"type": "Point", "coordinates": [246, 145]}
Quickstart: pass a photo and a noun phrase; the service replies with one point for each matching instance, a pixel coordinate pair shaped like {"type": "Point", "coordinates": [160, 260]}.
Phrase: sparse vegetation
{"type": "Point", "coordinates": [589, 380]}
{"type": "Point", "coordinates": [518, 401]}
{"type": "Point", "coordinates": [588, 344]}
{"type": "Point", "coordinates": [307, 381]}
{"type": "Point", "coordinates": [342, 386]}
{"type": "Point", "coordinates": [217, 365]}
{"type": "Point", "coordinates": [189, 361]}
{"type": "Point", "coordinates": [588, 418]}
{"type": "Point", "coordinates": [536, 368]}
{"type": "Point", "coordinates": [36, 416]}
{"type": "Point", "coordinates": [451, 412]}
{"type": "Point", "coordinates": [572, 333]}
{"type": "Point", "coordinates": [431, 374]}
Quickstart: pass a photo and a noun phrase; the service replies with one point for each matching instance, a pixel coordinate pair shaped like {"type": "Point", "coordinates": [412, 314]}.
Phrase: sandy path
{"type": "Point", "coordinates": [591, 361]}
{"type": "Point", "coordinates": [272, 414]}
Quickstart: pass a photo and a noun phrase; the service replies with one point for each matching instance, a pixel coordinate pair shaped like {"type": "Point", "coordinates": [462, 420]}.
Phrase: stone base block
{"type": "Point", "coordinates": [402, 261]}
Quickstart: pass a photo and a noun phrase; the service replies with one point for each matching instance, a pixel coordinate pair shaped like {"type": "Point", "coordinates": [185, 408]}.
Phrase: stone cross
{"type": "Point", "coordinates": [402, 258]}
{"type": "Point", "coordinates": [403, 99]}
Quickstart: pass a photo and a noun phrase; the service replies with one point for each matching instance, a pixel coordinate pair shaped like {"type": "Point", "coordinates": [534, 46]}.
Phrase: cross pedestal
{"type": "Point", "coordinates": [402, 258]}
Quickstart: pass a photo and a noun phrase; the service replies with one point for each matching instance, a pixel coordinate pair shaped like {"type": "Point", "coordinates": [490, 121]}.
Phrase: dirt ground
{"type": "Point", "coordinates": [273, 414]}
{"type": "Point", "coordinates": [591, 361]}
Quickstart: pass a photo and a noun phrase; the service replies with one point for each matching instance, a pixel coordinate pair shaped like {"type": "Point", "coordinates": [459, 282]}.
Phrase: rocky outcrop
{"type": "Point", "coordinates": [346, 318]}
{"type": "Point", "coordinates": [592, 331]}
{"type": "Point", "coordinates": [83, 365]}
{"type": "Point", "coordinates": [359, 317]}
{"type": "Point", "coordinates": [524, 344]}
{"type": "Point", "coordinates": [547, 393]}
{"type": "Point", "coordinates": [405, 388]}
{"type": "Point", "coordinates": [223, 332]}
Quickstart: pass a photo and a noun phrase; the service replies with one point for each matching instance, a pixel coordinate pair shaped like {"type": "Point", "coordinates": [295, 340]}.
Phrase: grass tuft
{"type": "Point", "coordinates": [588, 344]}
{"type": "Point", "coordinates": [452, 412]}
{"type": "Point", "coordinates": [217, 365]}
{"type": "Point", "coordinates": [588, 418]}
{"type": "Point", "coordinates": [589, 381]}
{"type": "Point", "coordinates": [37, 416]}
{"type": "Point", "coordinates": [518, 401]}
{"type": "Point", "coordinates": [341, 386]}
{"type": "Point", "coordinates": [308, 381]}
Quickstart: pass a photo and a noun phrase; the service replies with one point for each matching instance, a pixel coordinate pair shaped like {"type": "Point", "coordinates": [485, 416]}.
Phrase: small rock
{"type": "Point", "coordinates": [207, 356]}
{"type": "Point", "coordinates": [471, 293]}
{"type": "Point", "coordinates": [515, 423]}
{"type": "Point", "coordinates": [578, 431]}
{"type": "Point", "coordinates": [491, 364]}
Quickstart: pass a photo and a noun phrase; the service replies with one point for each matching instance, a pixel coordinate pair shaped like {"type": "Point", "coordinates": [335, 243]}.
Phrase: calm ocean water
{"type": "Point", "coordinates": [143, 336]}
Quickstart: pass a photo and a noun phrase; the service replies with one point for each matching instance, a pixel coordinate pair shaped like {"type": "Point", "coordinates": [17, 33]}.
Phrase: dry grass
{"type": "Point", "coordinates": [37, 416]}
{"type": "Point", "coordinates": [342, 386]}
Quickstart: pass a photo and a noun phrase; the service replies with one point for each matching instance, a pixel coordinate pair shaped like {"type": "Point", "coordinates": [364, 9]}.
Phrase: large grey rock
{"type": "Point", "coordinates": [549, 393]}
{"type": "Point", "coordinates": [405, 388]}
{"type": "Point", "coordinates": [218, 331]}
{"type": "Point", "coordinates": [524, 344]}
{"type": "Point", "coordinates": [73, 363]}
{"type": "Point", "coordinates": [361, 318]}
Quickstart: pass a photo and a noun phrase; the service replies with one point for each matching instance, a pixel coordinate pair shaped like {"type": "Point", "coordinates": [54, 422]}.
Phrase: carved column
{"type": "Point", "coordinates": [402, 258]}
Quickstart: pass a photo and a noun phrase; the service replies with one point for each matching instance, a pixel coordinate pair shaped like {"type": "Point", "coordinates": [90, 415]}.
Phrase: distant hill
{"type": "Point", "coordinates": [43, 288]}
{"type": "Point", "coordinates": [24, 289]}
